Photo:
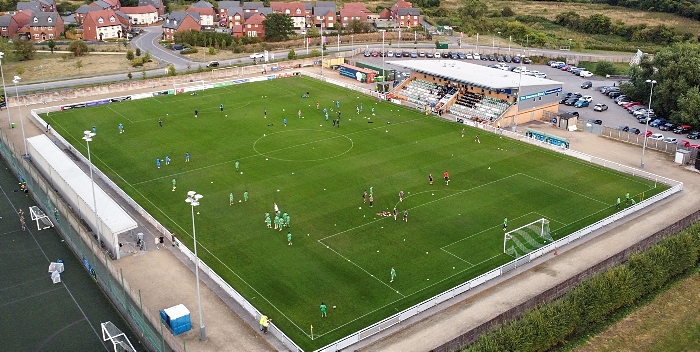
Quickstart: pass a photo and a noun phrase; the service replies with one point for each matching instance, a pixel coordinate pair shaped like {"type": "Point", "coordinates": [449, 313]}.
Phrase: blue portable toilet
{"type": "Point", "coordinates": [177, 318]}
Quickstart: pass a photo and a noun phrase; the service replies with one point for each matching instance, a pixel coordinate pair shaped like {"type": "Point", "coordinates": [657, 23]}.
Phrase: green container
{"type": "Point", "coordinates": [442, 45]}
{"type": "Point", "coordinates": [13, 125]}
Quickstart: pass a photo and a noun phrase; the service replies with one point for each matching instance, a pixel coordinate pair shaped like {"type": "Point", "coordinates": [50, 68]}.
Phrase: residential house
{"type": "Point", "coordinates": [206, 12]}
{"type": "Point", "coordinates": [83, 10]}
{"type": "Point", "coordinates": [253, 26]}
{"type": "Point", "coordinates": [158, 4]}
{"type": "Point", "coordinates": [180, 22]}
{"type": "Point", "coordinates": [29, 5]}
{"type": "Point", "coordinates": [408, 17]}
{"type": "Point", "coordinates": [355, 10]}
{"type": "Point", "coordinates": [100, 4]}
{"type": "Point", "coordinates": [113, 4]}
{"type": "Point", "coordinates": [143, 15]}
{"type": "Point", "coordinates": [47, 5]}
{"type": "Point", "coordinates": [230, 14]}
{"type": "Point", "coordinates": [400, 4]}
{"type": "Point", "coordinates": [324, 14]}
{"type": "Point", "coordinates": [252, 6]}
{"type": "Point", "coordinates": [295, 10]}
{"type": "Point", "coordinates": [8, 26]}
{"type": "Point", "coordinates": [22, 18]}
{"type": "Point", "coordinates": [101, 25]}
{"type": "Point", "coordinates": [43, 26]}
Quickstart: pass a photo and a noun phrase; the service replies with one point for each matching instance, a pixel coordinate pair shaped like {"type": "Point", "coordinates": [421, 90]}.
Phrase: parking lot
{"type": "Point", "coordinates": [615, 116]}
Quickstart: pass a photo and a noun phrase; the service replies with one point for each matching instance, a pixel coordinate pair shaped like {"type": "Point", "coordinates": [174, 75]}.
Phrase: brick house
{"type": "Point", "coordinates": [101, 25]}
{"type": "Point", "coordinates": [324, 14]}
{"type": "Point", "coordinates": [230, 14]}
{"type": "Point", "coordinates": [43, 26]}
{"type": "Point", "coordinates": [355, 10]}
{"type": "Point", "coordinates": [8, 26]}
{"type": "Point", "coordinates": [100, 4]}
{"type": "Point", "coordinates": [113, 4]}
{"type": "Point", "coordinates": [254, 26]}
{"type": "Point", "coordinates": [180, 22]}
{"type": "Point", "coordinates": [252, 6]}
{"type": "Point", "coordinates": [158, 4]}
{"type": "Point", "coordinates": [145, 15]}
{"type": "Point", "coordinates": [83, 10]}
{"type": "Point", "coordinates": [22, 18]}
{"type": "Point", "coordinates": [206, 12]}
{"type": "Point", "coordinates": [400, 4]}
{"type": "Point", "coordinates": [408, 17]}
{"type": "Point", "coordinates": [47, 5]}
{"type": "Point", "coordinates": [295, 10]}
{"type": "Point", "coordinates": [29, 5]}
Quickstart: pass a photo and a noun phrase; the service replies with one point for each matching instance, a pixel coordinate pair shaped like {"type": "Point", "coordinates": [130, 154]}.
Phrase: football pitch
{"type": "Point", "coordinates": [342, 249]}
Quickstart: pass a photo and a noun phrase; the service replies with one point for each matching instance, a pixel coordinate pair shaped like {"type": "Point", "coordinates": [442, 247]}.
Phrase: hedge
{"type": "Point", "coordinates": [592, 301]}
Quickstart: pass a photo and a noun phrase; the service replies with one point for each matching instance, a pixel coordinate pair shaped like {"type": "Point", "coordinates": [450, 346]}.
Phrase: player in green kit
{"type": "Point", "coordinates": [277, 221]}
{"type": "Point", "coordinates": [627, 198]}
{"type": "Point", "coordinates": [230, 199]}
{"type": "Point", "coordinates": [284, 218]}
{"type": "Point", "coordinates": [287, 221]}
{"type": "Point", "coordinates": [245, 196]}
{"type": "Point", "coordinates": [393, 274]}
{"type": "Point", "coordinates": [268, 222]}
{"type": "Point", "coordinates": [174, 185]}
{"type": "Point", "coordinates": [289, 238]}
{"type": "Point", "coordinates": [505, 224]}
{"type": "Point", "coordinates": [237, 164]}
{"type": "Point", "coordinates": [323, 310]}
{"type": "Point", "coordinates": [371, 191]}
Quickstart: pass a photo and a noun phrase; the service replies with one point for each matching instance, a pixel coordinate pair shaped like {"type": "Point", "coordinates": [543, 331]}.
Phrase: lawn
{"type": "Point", "coordinates": [342, 252]}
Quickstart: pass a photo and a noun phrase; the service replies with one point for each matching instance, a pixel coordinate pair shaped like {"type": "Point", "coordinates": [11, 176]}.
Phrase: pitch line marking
{"type": "Point", "coordinates": [560, 187]}
{"type": "Point", "coordinates": [120, 114]}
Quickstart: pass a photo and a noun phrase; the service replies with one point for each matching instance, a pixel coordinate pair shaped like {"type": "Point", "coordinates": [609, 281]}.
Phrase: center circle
{"type": "Point", "coordinates": [303, 145]}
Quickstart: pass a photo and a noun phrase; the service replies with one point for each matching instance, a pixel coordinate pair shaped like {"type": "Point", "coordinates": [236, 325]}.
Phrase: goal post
{"type": "Point", "coordinates": [181, 88]}
{"type": "Point", "coordinates": [120, 342]}
{"type": "Point", "coordinates": [527, 238]}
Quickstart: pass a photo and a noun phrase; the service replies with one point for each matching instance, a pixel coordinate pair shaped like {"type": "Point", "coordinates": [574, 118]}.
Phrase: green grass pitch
{"type": "Point", "coordinates": [342, 252]}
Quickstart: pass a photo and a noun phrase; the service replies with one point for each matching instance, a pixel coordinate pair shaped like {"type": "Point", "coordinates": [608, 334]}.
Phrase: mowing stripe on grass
{"type": "Point", "coordinates": [566, 189]}
{"type": "Point", "coordinates": [120, 114]}
{"type": "Point", "coordinates": [58, 332]}
{"type": "Point", "coordinates": [30, 296]}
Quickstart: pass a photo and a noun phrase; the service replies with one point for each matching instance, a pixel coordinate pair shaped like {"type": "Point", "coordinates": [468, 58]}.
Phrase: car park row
{"type": "Point", "coordinates": [448, 55]}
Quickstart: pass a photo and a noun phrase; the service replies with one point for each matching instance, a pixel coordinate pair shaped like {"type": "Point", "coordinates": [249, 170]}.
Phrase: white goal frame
{"type": "Point", "coordinates": [38, 215]}
{"type": "Point", "coordinates": [120, 342]}
{"type": "Point", "coordinates": [181, 88]}
{"type": "Point", "coordinates": [541, 235]}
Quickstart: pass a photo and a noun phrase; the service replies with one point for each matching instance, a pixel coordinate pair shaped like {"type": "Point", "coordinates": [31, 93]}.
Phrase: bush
{"type": "Point", "coordinates": [129, 55]}
{"type": "Point", "coordinates": [137, 62]}
{"type": "Point", "coordinates": [138, 51]}
{"type": "Point", "coordinates": [78, 48]}
{"type": "Point", "coordinates": [189, 51]}
{"type": "Point", "coordinates": [605, 68]}
{"type": "Point", "coordinates": [291, 54]}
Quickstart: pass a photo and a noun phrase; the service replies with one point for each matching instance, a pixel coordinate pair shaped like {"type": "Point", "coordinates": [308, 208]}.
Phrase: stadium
{"type": "Point", "coordinates": [452, 239]}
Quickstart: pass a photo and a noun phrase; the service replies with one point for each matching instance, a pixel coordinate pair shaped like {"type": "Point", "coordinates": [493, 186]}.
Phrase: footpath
{"type": "Point", "coordinates": [165, 277]}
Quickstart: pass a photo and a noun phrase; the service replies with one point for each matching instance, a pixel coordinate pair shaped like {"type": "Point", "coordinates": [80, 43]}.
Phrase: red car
{"type": "Point", "coordinates": [630, 104]}
{"type": "Point", "coordinates": [647, 133]}
{"type": "Point", "coordinates": [695, 146]}
{"type": "Point", "coordinates": [375, 53]}
{"type": "Point", "coordinates": [565, 68]}
{"type": "Point", "coordinates": [684, 143]}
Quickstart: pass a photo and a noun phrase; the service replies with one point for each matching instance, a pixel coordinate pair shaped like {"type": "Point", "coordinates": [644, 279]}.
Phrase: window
{"type": "Point", "coordinates": [50, 28]}
{"type": "Point", "coordinates": [298, 11]}
{"type": "Point", "coordinates": [250, 26]}
{"type": "Point", "coordinates": [4, 28]}
{"type": "Point", "coordinates": [100, 20]}
{"type": "Point", "coordinates": [36, 20]}
{"type": "Point", "coordinates": [50, 19]}
{"type": "Point", "coordinates": [36, 36]}
{"type": "Point", "coordinates": [287, 11]}
{"type": "Point", "coordinates": [112, 19]}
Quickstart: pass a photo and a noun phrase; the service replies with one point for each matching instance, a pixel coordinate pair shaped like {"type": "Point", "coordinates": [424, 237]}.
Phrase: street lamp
{"type": "Point", "coordinates": [383, 32]}
{"type": "Point", "coordinates": [352, 42]}
{"type": "Point", "coordinates": [193, 198]}
{"type": "Point", "coordinates": [569, 44]}
{"type": "Point", "coordinates": [510, 40]}
{"type": "Point", "coordinates": [87, 137]}
{"type": "Point", "coordinates": [499, 43]}
{"type": "Point", "coordinates": [651, 92]}
{"type": "Point", "coordinates": [43, 81]}
{"type": "Point", "coordinates": [4, 90]}
{"type": "Point", "coordinates": [21, 120]}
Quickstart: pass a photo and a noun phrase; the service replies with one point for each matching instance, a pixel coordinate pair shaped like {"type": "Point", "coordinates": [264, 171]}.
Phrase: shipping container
{"type": "Point", "coordinates": [359, 74]}
{"type": "Point", "coordinates": [442, 45]}
{"type": "Point", "coordinates": [387, 73]}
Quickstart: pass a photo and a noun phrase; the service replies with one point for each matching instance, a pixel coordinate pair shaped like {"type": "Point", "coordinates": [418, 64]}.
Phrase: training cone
{"type": "Point", "coordinates": [556, 251]}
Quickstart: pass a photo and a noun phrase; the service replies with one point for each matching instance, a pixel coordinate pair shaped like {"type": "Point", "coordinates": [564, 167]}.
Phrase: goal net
{"type": "Point", "coordinates": [42, 221]}
{"type": "Point", "coordinates": [194, 86]}
{"type": "Point", "coordinates": [119, 341]}
{"type": "Point", "coordinates": [527, 238]}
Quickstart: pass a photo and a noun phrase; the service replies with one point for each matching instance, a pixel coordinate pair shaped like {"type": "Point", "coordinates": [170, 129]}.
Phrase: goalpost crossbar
{"type": "Point", "coordinates": [527, 237]}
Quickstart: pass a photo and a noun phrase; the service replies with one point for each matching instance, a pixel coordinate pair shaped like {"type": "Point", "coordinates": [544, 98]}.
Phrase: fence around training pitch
{"type": "Point", "coordinates": [675, 186]}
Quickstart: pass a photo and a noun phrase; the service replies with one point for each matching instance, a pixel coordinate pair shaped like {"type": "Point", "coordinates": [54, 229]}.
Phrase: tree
{"type": "Point", "coordinates": [23, 48]}
{"type": "Point", "coordinates": [52, 45]}
{"type": "Point", "coordinates": [20, 70]}
{"type": "Point", "coordinates": [291, 55]}
{"type": "Point", "coordinates": [129, 54]}
{"type": "Point", "coordinates": [278, 27]}
{"type": "Point", "coordinates": [138, 51]}
{"type": "Point", "coordinates": [315, 52]}
{"type": "Point", "coordinates": [79, 65]}
{"type": "Point", "coordinates": [604, 68]}
{"type": "Point", "coordinates": [212, 51]}
{"type": "Point", "coordinates": [129, 75]}
{"type": "Point", "coordinates": [147, 57]}
{"type": "Point", "coordinates": [171, 70]}
{"type": "Point", "coordinates": [507, 12]}
{"type": "Point", "coordinates": [78, 48]}
{"type": "Point", "coordinates": [472, 10]}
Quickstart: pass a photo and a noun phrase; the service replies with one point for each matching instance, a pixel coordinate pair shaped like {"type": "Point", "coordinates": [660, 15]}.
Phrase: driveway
{"type": "Point", "coordinates": [148, 41]}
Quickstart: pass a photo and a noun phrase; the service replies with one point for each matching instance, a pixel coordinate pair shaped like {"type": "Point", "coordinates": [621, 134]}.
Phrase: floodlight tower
{"type": "Point", "coordinates": [4, 90]}
{"type": "Point", "coordinates": [87, 137]}
{"type": "Point", "coordinates": [21, 120]}
{"type": "Point", "coordinates": [193, 199]}
{"type": "Point", "coordinates": [651, 92]}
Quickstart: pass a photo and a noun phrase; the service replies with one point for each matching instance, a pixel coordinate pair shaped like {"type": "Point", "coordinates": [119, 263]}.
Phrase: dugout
{"type": "Point", "coordinates": [74, 185]}
{"type": "Point", "coordinates": [566, 120]}
{"type": "Point", "coordinates": [176, 318]}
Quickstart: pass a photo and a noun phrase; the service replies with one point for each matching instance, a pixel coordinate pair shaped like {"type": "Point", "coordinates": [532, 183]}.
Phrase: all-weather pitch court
{"type": "Point", "coordinates": [343, 247]}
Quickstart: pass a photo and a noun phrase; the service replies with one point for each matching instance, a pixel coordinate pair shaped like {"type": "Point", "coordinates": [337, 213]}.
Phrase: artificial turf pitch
{"type": "Point", "coordinates": [342, 252]}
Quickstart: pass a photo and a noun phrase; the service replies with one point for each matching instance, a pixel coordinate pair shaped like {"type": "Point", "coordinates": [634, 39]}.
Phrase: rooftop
{"type": "Point", "coordinates": [472, 74]}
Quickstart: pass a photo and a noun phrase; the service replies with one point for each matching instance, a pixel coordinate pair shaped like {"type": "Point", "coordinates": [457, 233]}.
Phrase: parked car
{"type": "Point", "coordinates": [477, 56]}
{"type": "Point", "coordinates": [500, 58]}
{"type": "Point", "coordinates": [586, 74]}
{"type": "Point", "coordinates": [615, 94]}
{"type": "Point", "coordinates": [469, 56]}
{"type": "Point", "coordinates": [657, 122]}
{"type": "Point", "coordinates": [508, 58]}
{"type": "Point", "coordinates": [587, 98]}
{"type": "Point", "coordinates": [462, 56]}
{"type": "Point", "coordinates": [397, 54]}
{"type": "Point", "coordinates": [255, 56]}
{"type": "Point", "coordinates": [573, 112]}
{"type": "Point", "coordinates": [390, 53]}
{"type": "Point", "coordinates": [484, 57]}
{"type": "Point", "coordinates": [622, 100]}
{"type": "Point", "coordinates": [421, 54]}
{"type": "Point", "coordinates": [368, 53]}
{"type": "Point", "coordinates": [516, 59]}
{"type": "Point", "coordinates": [647, 133]}
{"type": "Point", "coordinates": [595, 122]}
{"type": "Point", "coordinates": [571, 101]}
{"type": "Point", "coordinates": [681, 129]}
{"type": "Point", "coordinates": [178, 47]}
{"type": "Point", "coordinates": [429, 55]}
{"type": "Point", "coordinates": [671, 140]}
{"type": "Point", "coordinates": [586, 85]}
{"type": "Point", "coordinates": [683, 143]}
{"type": "Point", "coordinates": [668, 126]}
{"type": "Point", "coordinates": [693, 135]}
{"type": "Point", "coordinates": [634, 130]}
{"type": "Point", "coordinates": [492, 57]}
{"type": "Point", "coordinates": [657, 136]}
{"type": "Point", "coordinates": [527, 61]}
{"type": "Point", "coordinates": [406, 54]}
{"type": "Point", "coordinates": [623, 128]}
{"type": "Point", "coordinates": [581, 104]}
{"type": "Point", "coordinates": [600, 107]}
{"type": "Point", "coordinates": [213, 64]}
{"type": "Point", "coordinates": [414, 54]}
{"type": "Point", "coordinates": [541, 75]}
{"type": "Point", "coordinates": [646, 119]}
{"type": "Point", "coordinates": [446, 55]}
{"type": "Point", "coordinates": [554, 64]}
{"type": "Point", "coordinates": [454, 56]}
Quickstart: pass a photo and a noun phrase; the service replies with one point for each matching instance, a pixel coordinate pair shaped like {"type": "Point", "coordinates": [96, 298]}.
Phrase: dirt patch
{"type": "Point", "coordinates": [55, 66]}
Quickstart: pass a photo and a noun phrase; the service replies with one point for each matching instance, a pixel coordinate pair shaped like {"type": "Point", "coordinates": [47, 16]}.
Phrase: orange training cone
{"type": "Point", "coordinates": [556, 251]}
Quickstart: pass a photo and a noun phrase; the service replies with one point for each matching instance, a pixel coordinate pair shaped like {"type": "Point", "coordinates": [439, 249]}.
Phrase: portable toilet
{"type": "Point", "coordinates": [177, 318]}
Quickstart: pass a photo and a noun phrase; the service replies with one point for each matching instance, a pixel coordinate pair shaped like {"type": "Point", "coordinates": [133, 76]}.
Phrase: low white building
{"type": "Point", "coordinates": [143, 15]}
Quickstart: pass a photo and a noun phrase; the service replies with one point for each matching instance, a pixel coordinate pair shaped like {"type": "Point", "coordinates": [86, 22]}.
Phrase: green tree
{"type": "Point", "coordinates": [52, 45]}
{"type": "Point", "coordinates": [78, 48]}
{"type": "Point", "coordinates": [20, 70]}
{"type": "Point", "coordinates": [315, 52]}
{"type": "Point", "coordinates": [129, 54]}
{"type": "Point", "coordinates": [147, 57]}
{"type": "Point", "coordinates": [138, 51]}
{"type": "Point", "coordinates": [212, 51]}
{"type": "Point", "coordinates": [79, 65]}
{"type": "Point", "coordinates": [604, 68]}
{"type": "Point", "coordinates": [689, 107]}
{"type": "Point", "coordinates": [472, 10]}
{"type": "Point", "coordinates": [278, 27]}
{"type": "Point", "coordinates": [507, 12]}
{"type": "Point", "coordinates": [291, 55]}
{"type": "Point", "coordinates": [129, 75]}
{"type": "Point", "coordinates": [171, 70]}
{"type": "Point", "coordinates": [23, 48]}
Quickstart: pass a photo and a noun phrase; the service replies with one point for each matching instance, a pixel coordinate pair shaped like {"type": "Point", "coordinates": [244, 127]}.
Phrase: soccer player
{"type": "Point", "coordinates": [618, 202]}
{"type": "Point", "coordinates": [94, 129]}
{"type": "Point", "coordinates": [447, 178]}
{"type": "Point", "coordinates": [396, 212]}
{"type": "Point", "coordinates": [400, 196]}
{"type": "Point", "coordinates": [299, 113]}
{"type": "Point", "coordinates": [288, 221]}
{"type": "Point", "coordinates": [284, 218]}
{"type": "Point", "coordinates": [221, 107]}
{"type": "Point", "coordinates": [462, 132]}
{"type": "Point", "coordinates": [393, 274]}
{"type": "Point", "coordinates": [230, 199]}
{"type": "Point", "coordinates": [318, 105]}
{"type": "Point", "coordinates": [187, 157]}
{"type": "Point", "coordinates": [364, 196]}
{"type": "Point", "coordinates": [373, 111]}
{"type": "Point", "coordinates": [405, 215]}
{"type": "Point", "coordinates": [174, 185]}
{"type": "Point", "coordinates": [361, 107]}
{"type": "Point", "coordinates": [371, 200]}
{"type": "Point", "coordinates": [277, 221]}
{"type": "Point", "coordinates": [285, 122]}
{"type": "Point", "coordinates": [167, 160]}
{"type": "Point", "coordinates": [237, 164]}
{"type": "Point", "coordinates": [160, 122]}
{"type": "Point", "coordinates": [158, 162]}
{"type": "Point", "coordinates": [325, 112]}
{"type": "Point", "coordinates": [326, 116]}
{"type": "Point", "coordinates": [631, 200]}
{"type": "Point", "coordinates": [627, 198]}
{"type": "Point", "coordinates": [371, 190]}
{"type": "Point", "coordinates": [289, 238]}
{"type": "Point", "coordinates": [196, 113]}
{"type": "Point", "coordinates": [245, 196]}
{"type": "Point", "coordinates": [268, 222]}
{"type": "Point", "coordinates": [477, 139]}
{"type": "Point", "coordinates": [265, 113]}
{"type": "Point", "coordinates": [121, 128]}
{"type": "Point", "coordinates": [337, 104]}
{"type": "Point", "coordinates": [430, 178]}
{"type": "Point", "coordinates": [357, 108]}
{"type": "Point", "coordinates": [334, 122]}
{"type": "Point", "coordinates": [505, 224]}
{"type": "Point", "coordinates": [323, 310]}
